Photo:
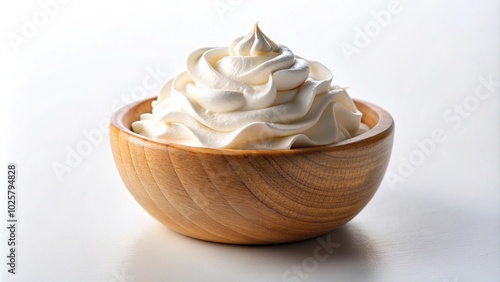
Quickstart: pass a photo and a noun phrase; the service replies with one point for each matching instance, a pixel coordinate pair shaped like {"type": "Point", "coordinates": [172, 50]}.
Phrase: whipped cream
{"type": "Point", "coordinates": [255, 94]}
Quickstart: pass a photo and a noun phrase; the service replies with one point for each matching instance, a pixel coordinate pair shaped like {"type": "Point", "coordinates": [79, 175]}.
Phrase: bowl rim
{"type": "Point", "coordinates": [383, 128]}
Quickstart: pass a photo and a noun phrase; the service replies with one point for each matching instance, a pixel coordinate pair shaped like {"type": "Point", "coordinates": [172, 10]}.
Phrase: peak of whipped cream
{"type": "Point", "coordinates": [254, 94]}
{"type": "Point", "coordinates": [255, 43]}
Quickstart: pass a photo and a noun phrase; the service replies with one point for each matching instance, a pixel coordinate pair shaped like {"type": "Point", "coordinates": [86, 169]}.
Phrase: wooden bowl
{"type": "Point", "coordinates": [252, 196]}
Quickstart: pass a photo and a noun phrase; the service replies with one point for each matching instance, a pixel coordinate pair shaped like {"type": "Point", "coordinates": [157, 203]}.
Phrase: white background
{"type": "Point", "coordinates": [434, 218]}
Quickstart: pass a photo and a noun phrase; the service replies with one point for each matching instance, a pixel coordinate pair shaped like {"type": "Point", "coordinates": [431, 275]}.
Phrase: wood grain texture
{"type": "Point", "coordinates": [252, 196]}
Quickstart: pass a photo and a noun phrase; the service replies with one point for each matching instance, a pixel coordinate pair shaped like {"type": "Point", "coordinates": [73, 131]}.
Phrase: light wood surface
{"type": "Point", "coordinates": [252, 196]}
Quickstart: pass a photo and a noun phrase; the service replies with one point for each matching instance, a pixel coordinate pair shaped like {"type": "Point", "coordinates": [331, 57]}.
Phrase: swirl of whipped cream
{"type": "Point", "coordinates": [256, 94]}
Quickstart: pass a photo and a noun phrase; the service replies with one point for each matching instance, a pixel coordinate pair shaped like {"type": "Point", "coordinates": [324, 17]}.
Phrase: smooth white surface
{"type": "Point", "coordinates": [440, 223]}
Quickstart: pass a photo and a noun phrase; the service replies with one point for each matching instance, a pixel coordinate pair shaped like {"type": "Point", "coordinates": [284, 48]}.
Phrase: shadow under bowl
{"type": "Point", "coordinates": [252, 196]}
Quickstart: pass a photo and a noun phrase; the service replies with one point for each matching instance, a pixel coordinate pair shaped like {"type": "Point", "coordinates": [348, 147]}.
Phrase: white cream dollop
{"type": "Point", "coordinates": [256, 94]}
